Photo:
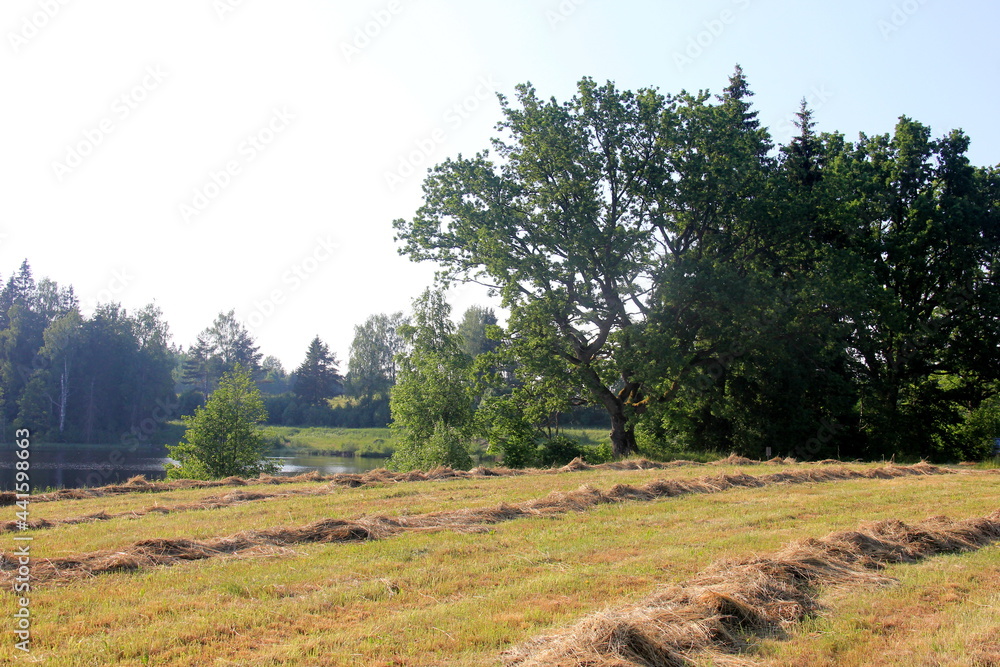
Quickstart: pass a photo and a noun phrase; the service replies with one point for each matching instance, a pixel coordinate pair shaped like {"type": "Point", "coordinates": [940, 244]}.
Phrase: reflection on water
{"type": "Point", "coordinates": [74, 466]}
{"type": "Point", "coordinates": [328, 465]}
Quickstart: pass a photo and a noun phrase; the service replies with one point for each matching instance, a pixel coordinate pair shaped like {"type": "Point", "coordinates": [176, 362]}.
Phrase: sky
{"type": "Point", "coordinates": [209, 155]}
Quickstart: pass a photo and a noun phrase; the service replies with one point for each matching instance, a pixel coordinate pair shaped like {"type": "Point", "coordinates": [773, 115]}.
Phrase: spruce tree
{"type": "Point", "coordinates": [317, 378]}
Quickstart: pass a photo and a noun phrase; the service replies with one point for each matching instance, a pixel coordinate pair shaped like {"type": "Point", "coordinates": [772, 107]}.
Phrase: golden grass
{"type": "Point", "coordinates": [139, 484]}
{"type": "Point", "coordinates": [711, 614]}
{"type": "Point", "coordinates": [945, 611]}
{"type": "Point", "coordinates": [425, 598]}
{"type": "Point", "coordinates": [163, 551]}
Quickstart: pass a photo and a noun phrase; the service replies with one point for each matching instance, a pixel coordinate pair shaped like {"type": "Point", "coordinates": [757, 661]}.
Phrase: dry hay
{"type": "Point", "coordinates": [378, 476]}
{"type": "Point", "coordinates": [212, 502]}
{"type": "Point", "coordinates": [735, 460]}
{"type": "Point", "coordinates": [710, 615]}
{"type": "Point", "coordinates": [987, 648]}
{"type": "Point", "coordinates": [150, 553]}
{"type": "Point", "coordinates": [139, 484]}
{"type": "Point", "coordinates": [682, 463]}
{"type": "Point", "coordinates": [707, 485]}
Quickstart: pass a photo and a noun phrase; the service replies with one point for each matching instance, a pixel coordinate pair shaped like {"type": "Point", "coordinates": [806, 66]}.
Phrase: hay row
{"type": "Point", "coordinates": [150, 553]}
{"type": "Point", "coordinates": [351, 480]}
{"type": "Point", "coordinates": [712, 615]}
{"type": "Point", "coordinates": [139, 484]}
{"type": "Point", "coordinates": [237, 497]}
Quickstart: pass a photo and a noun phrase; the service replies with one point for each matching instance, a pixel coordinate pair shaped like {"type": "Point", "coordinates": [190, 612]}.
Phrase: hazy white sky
{"type": "Point", "coordinates": [252, 154]}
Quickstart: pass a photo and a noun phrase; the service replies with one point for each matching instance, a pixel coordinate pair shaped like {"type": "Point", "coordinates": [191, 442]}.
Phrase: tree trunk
{"type": "Point", "coordinates": [622, 432]}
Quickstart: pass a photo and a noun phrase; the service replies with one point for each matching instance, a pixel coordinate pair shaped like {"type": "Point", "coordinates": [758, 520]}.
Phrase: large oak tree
{"type": "Point", "coordinates": [595, 214]}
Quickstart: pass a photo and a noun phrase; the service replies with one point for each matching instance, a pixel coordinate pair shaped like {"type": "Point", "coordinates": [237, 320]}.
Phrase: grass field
{"type": "Point", "coordinates": [377, 441]}
{"type": "Point", "coordinates": [450, 592]}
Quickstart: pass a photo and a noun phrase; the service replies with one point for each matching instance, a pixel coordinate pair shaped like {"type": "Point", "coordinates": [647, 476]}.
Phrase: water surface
{"type": "Point", "coordinates": [75, 466]}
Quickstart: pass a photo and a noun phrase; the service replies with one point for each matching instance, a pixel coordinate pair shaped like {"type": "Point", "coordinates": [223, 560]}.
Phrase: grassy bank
{"type": "Point", "coordinates": [318, 441]}
{"type": "Point", "coordinates": [440, 597]}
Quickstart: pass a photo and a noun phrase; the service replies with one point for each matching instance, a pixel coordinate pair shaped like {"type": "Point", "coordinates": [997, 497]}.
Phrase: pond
{"type": "Point", "coordinates": [75, 466]}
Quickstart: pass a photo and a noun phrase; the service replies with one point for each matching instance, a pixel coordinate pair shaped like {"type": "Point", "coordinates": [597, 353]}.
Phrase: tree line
{"type": "Point", "coordinates": [662, 258]}
{"type": "Point", "coordinates": [76, 379]}
{"type": "Point", "coordinates": [116, 376]}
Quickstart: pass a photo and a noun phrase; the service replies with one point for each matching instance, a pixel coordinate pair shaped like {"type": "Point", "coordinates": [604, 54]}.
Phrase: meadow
{"type": "Point", "coordinates": [473, 569]}
{"type": "Point", "coordinates": [380, 442]}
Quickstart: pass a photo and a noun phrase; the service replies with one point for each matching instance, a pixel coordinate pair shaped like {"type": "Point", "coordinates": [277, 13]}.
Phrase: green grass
{"type": "Point", "coordinates": [989, 464]}
{"type": "Point", "coordinates": [350, 441]}
{"type": "Point", "coordinates": [286, 440]}
{"type": "Point", "coordinates": [942, 612]}
{"type": "Point", "coordinates": [427, 598]}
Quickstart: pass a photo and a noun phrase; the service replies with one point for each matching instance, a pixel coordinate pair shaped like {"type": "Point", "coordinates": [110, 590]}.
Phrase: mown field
{"type": "Point", "coordinates": [378, 570]}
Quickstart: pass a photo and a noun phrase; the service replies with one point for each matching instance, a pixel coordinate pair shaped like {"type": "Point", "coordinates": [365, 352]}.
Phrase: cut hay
{"type": "Point", "coordinates": [212, 502]}
{"type": "Point", "coordinates": [139, 484]}
{"type": "Point", "coordinates": [575, 465]}
{"type": "Point", "coordinates": [735, 460]}
{"type": "Point", "coordinates": [682, 462]}
{"type": "Point", "coordinates": [710, 616]}
{"type": "Point", "coordinates": [706, 485]}
{"type": "Point", "coordinates": [151, 553]}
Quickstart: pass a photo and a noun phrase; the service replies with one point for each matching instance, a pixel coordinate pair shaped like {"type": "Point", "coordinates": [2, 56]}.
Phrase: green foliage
{"type": "Point", "coordinates": [920, 227]}
{"type": "Point", "coordinates": [599, 211]}
{"type": "Point", "coordinates": [317, 379]}
{"type": "Point", "coordinates": [224, 438]}
{"type": "Point", "coordinates": [372, 369]}
{"type": "Point", "coordinates": [659, 260]}
{"type": "Point", "coordinates": [273, 378]}
{"type": "Point", "coordinates": [522, 438]}
{"type": "Point", "coordinates": [507, 431]}
{"type": "Point", "coordinates": [657, 444]}
{"type": "Point", "coordinates": [189, 466]}
{"type": "Point", "coordinates": [34, 412]}
{"type": "Point", "coordinates": [558, 450]}
{"type": "Point", "coordinates": [220, 348]}
{"type": "Point", "coordinates": [446, 446]}
{"type": "Point", "coordinates": [474, 328]}
{"type": "Point", "coordinates": [598, 454]}
{"type": "Point", "coordinates": [189, 401]}
{"type": "Point", "coordinates": [75, 379]}
{"type": "Point", "coordinates": [974, 438]}
{"type": "Point", "coordinates": [434, 397]}
{"type": "Point", "coordinates": [372, 365]}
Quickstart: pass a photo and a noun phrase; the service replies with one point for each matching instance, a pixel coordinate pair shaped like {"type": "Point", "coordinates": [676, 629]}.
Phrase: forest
{"type": "Point", "coordinates": [115, 376]}
{"type": "Point", "coordinates": [664, 269]}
